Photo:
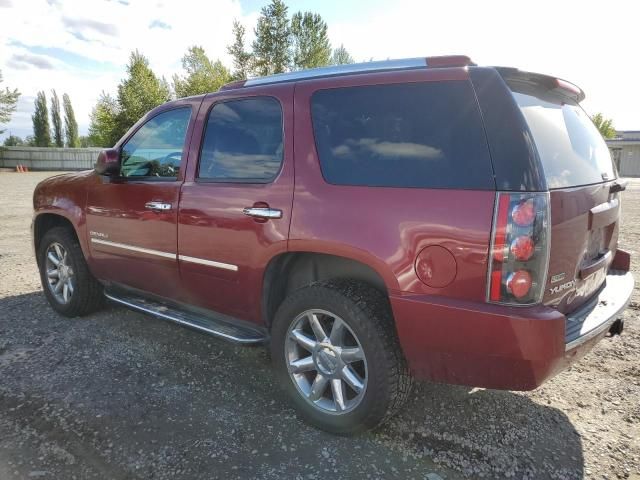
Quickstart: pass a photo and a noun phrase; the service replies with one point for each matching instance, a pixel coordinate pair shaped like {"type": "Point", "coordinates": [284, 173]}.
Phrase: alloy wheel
{"type": "Point", "coordinates": [326, 362]}
{"type": "Point", "coordinates": [60, 275]}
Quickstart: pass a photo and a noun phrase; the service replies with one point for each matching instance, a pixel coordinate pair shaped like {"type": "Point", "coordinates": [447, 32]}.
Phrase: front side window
{"type": "Point", "coordinates": [155, 150]}
{"type": "Point", "coordinates": [421, 135]}
{"type": "Point", "coordinates": [243, 141]}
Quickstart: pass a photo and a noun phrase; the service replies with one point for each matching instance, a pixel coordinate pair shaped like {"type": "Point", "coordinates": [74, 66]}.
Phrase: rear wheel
{"type": "Point", "coordinates": [336, 352]}
{"type": "Point", "coordinates": [67, 283]}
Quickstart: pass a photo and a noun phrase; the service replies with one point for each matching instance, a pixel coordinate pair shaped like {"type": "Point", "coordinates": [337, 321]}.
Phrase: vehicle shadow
{"type": "Point", "coordinates": [489, 433]}
{"type": "Point", "coordinates": [179, 404]}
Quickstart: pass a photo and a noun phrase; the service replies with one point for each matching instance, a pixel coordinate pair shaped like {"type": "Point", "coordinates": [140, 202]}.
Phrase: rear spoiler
{"type": "Point", "coordinates": [519, 80]}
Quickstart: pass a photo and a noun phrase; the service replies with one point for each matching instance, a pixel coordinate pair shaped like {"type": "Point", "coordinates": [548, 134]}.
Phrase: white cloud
{"type": "Point", "coordinates": [104, 33]}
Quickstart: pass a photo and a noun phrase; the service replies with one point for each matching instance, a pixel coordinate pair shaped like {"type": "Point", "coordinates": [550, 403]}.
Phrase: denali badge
{"type": "Point", "coordinates": [557, 277]}
{"type": "Point", "coordinates": [564, 286]}
{"type": "Point", "coordinates": [98, 234]}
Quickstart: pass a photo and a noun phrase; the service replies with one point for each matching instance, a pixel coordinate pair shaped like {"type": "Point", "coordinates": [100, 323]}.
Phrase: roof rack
{"type": "Point", "coordinates": [365, 67]}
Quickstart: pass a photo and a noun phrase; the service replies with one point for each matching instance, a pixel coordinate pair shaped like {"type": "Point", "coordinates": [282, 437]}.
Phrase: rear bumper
{"type": "Point", "coordinates": [494, 346]}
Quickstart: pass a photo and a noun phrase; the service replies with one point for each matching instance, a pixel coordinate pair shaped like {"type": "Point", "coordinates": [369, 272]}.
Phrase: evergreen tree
{"type": "Point", "coordinates": [8, 103]}
{"type": "Point", "coordinates": [103, 126]}
{"type": "Point", "coordinates": [271, 48]}
{"type": "Point", "coordinates": [56, 120]}
{"type": "Point", "coordinates": [341, 56]}
{"type": "Point", "coordinates": [242, 59]}
{"type": "Point", "coordinates": [311, 47]}
{"type": "Point", "coordinates": [70, 124]}
{"type": "Point", "coordinates": [203, 75]}
{"type": "Point", "coordinates": [40, 118]}
{"type": "Point", "coordinates": [140, 92]}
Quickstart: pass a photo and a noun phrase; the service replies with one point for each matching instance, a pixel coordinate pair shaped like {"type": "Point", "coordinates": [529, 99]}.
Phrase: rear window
{"type": "Point", "coordinates": [425, 135]}
{"type": "Point", "coordinates": [571, 149]}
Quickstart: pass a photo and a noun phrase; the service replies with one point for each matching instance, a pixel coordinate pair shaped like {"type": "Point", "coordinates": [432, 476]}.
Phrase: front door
{"type": "Point", "coordinates": [131, 219]}
{"type": "Point", "coordinates": [236, 202]}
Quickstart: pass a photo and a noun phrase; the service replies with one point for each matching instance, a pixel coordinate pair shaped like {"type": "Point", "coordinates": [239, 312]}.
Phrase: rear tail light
{"type": "Point", "coordinates": [519, 254]}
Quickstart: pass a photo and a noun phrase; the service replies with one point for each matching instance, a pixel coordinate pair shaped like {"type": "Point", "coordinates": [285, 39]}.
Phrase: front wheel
{"type": "Point", "coordinates": [66, 280]}
{"type": "Point", "coordinates": [336, 352]}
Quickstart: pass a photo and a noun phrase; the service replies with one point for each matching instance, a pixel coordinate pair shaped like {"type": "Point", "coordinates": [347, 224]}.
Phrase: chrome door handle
{"type": "Point", "coordinates": [262, 212]}
{"type": "Point", "coordinates": [157, 206]}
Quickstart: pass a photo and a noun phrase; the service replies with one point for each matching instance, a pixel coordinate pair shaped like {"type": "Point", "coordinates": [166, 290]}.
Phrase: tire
{"type": "Point", "coordinates": [85, 295]}
{"type": "Point", "coordinates": [350, 403]}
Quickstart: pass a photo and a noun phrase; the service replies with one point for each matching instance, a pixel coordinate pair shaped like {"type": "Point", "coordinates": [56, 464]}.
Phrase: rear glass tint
{"type": "Point", "coordinates": [425, 135]}
{"type": "Point", "coordinates": [571, 148]}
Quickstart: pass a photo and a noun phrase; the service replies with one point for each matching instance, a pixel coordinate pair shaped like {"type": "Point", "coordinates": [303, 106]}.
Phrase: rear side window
{"type": "Point", "coordinates": [571, 149]}
{"type": "Point", "coordinates": [243, 141]}
{"type": "Point", "coordinates": [425, 135]}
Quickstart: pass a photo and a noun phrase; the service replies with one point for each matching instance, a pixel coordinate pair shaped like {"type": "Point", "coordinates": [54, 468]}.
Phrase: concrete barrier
{"type": "Point", "coordinates": [41, 158]}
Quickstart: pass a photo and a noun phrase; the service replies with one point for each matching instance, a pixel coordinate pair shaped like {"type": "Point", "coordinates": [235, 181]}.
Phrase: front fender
{"type": "Point", "coordinates": [65, 197]}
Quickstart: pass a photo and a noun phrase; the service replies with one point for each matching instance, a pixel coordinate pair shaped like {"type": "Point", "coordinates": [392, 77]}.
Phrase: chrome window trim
{"type": "Point", "coordinates": [208, 263]}
{"type": "Point", "coordinates": [133, 248]}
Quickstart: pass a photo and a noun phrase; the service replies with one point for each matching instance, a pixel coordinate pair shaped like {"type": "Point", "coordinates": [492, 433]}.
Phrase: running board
{"type": "Point", "coordinates": [220, 326]}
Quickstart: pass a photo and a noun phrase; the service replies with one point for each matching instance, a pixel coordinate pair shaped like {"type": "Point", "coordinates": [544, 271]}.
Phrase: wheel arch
{"type": "Point", "coordinates": [44, 222]}
{"type": "Point", "coordinates": [292, 270]}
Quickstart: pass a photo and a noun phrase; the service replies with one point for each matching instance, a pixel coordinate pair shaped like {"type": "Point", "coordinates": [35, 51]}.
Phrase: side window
{"type": "Point", "coordinates": [155, 150]}
{"type": "Point", "coordinates": [422, 135]}
{"type": "Point", "coordinates": [242, 141]}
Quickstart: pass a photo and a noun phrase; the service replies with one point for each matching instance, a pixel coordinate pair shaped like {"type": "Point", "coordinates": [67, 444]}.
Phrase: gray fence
{"type": "Point", "coordinates": [39, 158]}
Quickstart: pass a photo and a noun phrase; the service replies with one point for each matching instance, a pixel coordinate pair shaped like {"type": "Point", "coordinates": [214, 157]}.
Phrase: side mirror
{"type": "Point", "coordinates": [108, 162]}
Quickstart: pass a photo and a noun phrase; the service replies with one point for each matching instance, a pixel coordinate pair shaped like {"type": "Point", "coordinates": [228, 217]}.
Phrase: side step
{"type": "Point", "coordinates": [218, 325]}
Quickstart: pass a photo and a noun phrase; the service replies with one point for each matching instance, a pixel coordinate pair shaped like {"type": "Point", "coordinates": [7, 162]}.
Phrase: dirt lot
{"type": "Point", "coordinates": [119, 395]}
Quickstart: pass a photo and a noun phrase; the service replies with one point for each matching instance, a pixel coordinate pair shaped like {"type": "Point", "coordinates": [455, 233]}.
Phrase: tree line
{"type": "Point", "coordinates": [58, 134]}
{"type": "Point", "coordinates": [281, 44]}
{"type": "Point", "coordinates": [45, 134]}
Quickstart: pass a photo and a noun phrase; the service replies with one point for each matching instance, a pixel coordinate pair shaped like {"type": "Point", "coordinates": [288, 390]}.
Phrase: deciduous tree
{"type": "Point", "coordinates": [103, 126]}
{"type": "Point", "coordinates": [202, 74]}
{"type": "Point", "coordinates": [310, 42]}
{"type": "Point", "coordinates": [605, 125]}
{"type": "Point", "coordinates": [341, 56]}
{"type": "Point", "coordinates": [56, 120]}
{"type": "Point", "coordinates": [272, 46]}
{"type": "Point", "coordinates": [140, 92]}
{"type": "Point", "coordinates": [13, 141]}
{"type": "Point", "coordinates": [70, 124]}
{"type": "Point", "coordinates": [40, 119]}
{"type": "Point", "coordinates": [8, 102]}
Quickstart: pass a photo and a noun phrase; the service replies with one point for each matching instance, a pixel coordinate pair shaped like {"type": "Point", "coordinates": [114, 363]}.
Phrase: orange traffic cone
{"type": "Point", "coordinates": [18, 168]}
{"type": "Point", "coordinates": [26, 169]}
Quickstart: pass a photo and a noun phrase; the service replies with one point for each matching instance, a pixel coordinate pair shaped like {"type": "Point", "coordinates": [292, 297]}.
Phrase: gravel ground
{"type": "Point", "coordinates": [119, 395]}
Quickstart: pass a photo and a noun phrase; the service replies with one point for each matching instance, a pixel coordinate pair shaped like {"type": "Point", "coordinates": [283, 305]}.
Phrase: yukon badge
{"type": "Point", "coordinates": [560, 288]}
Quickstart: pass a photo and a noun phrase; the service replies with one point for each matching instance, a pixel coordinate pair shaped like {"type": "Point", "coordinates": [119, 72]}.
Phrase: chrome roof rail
{"type": "Point", "coordinates": [402, 64]}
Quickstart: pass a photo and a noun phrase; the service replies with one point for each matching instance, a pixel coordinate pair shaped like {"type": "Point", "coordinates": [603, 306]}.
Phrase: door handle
{"type": "Point", "coordinates": [262, 212]}
{"type": "Point", "coordinates": [157, 206]}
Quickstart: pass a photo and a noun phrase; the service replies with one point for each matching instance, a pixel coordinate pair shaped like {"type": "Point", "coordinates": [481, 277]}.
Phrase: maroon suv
{"type": "Point", "coordinates": [374, 222]}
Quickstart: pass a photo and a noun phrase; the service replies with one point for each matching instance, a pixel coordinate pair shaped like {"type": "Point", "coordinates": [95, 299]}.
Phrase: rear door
{"type": "Point", "coordinates": [236, 204]}
{"type": "Point", "coordinates": [579, 174]}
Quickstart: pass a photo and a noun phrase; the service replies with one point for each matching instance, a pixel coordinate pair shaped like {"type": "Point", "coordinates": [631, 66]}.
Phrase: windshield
{"type": "Point", "coordinates": [571, 148]}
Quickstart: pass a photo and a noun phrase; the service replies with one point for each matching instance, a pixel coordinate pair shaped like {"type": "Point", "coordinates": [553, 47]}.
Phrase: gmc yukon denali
{"type": "Point", "coordinates": [372, 223]}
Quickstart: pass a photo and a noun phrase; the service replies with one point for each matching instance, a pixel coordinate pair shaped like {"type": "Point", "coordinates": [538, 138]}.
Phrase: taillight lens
{"type": "Point", "coordinates": [523, 248]}
{"type": "Point", "coordinates": [519, 254]}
